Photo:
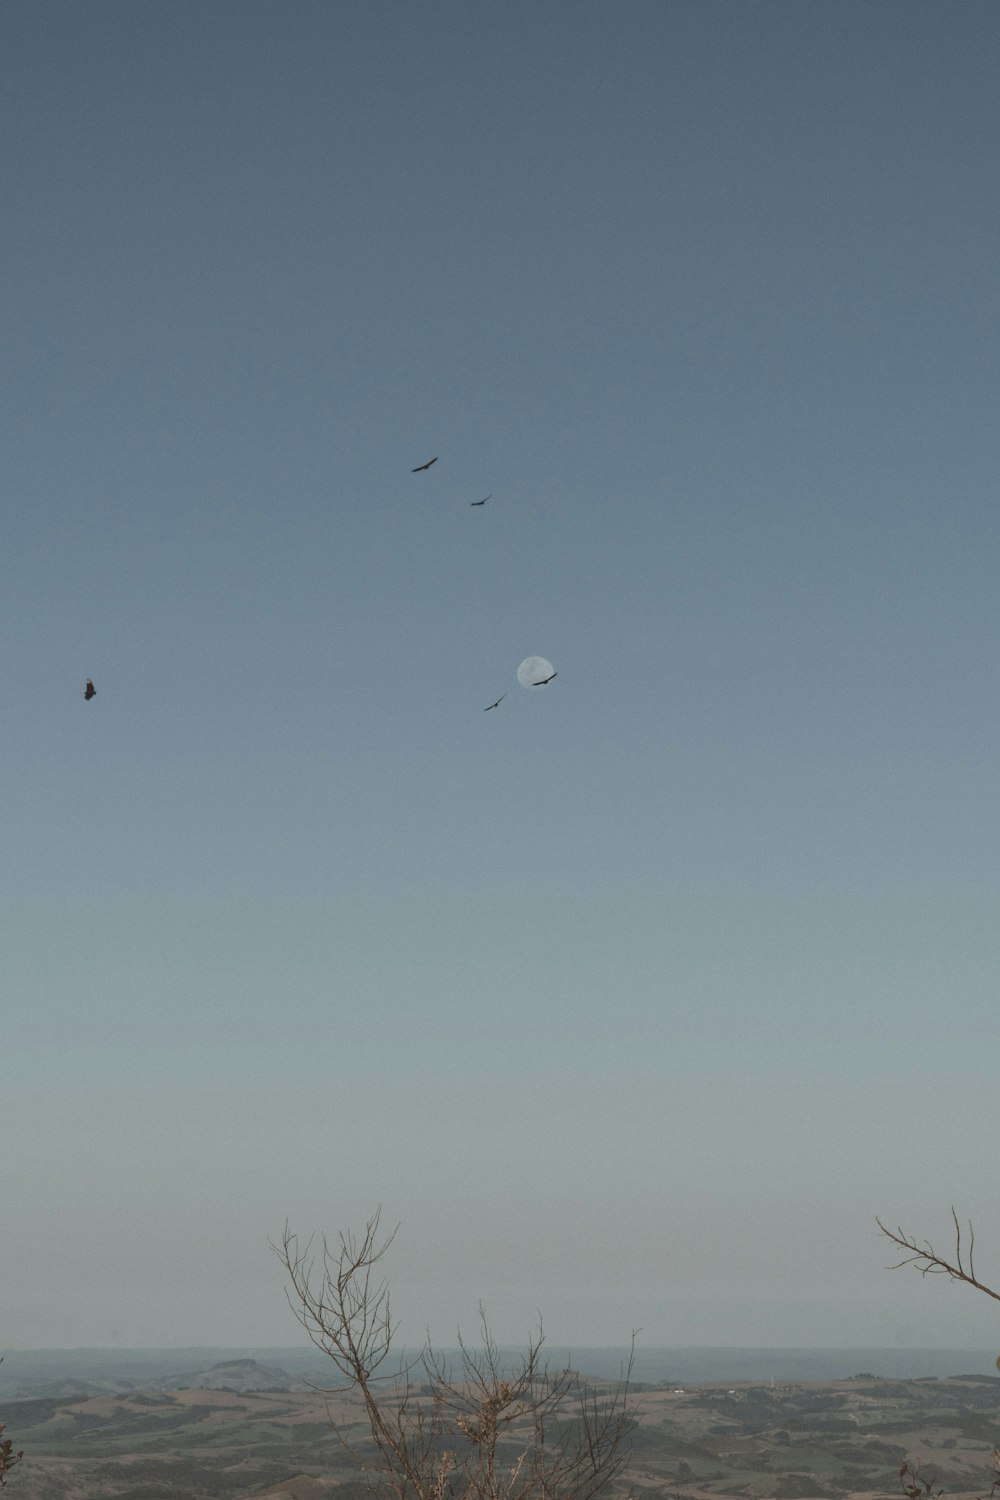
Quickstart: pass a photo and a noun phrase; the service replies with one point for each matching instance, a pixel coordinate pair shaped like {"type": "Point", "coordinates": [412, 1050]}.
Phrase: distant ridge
{"type": "Point", "coordinates": [58, 1372]}
{"type": "Point", "coordinates": [697, 1364]}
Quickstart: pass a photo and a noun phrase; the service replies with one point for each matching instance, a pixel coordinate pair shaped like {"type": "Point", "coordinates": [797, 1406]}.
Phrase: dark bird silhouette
{"type": "Point", "coordinates": [421, 467]}
{"type": "Point", "coordinates": [542, 681]}
{"type": "Point", "coordinates": [496, 704]}
{"type": "Point", "coordinates": [481, 502]}
{"type": "Point", "coordinates": [90, 691]}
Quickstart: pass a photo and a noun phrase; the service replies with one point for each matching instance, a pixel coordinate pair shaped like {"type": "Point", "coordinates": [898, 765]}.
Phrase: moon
{"type": "Point", "coordinates": [532, 669]}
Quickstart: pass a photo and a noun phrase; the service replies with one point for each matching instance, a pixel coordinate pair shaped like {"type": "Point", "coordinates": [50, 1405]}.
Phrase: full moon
{"type": "Point", "coordinates": [532, 670]}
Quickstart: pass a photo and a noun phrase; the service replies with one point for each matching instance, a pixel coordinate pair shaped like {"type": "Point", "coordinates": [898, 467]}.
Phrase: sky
{"type": "Point", "coordinates": [633, 1001]}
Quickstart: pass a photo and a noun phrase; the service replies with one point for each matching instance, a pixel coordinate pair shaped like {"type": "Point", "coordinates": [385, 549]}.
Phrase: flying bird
{"type": "Point", "coordinates": [496, 704]}
{"type": "Point", "coordinates": [421, 467]}
{"type": "Point", "coordinates": [481, 502]}
{"type": "Point", "coordinates": [90, 691]}
{"type": "Point", "coordinates": [542, 681]}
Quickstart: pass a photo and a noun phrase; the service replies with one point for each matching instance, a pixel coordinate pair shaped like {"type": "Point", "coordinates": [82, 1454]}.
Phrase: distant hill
{"type": "Point", "coordinates": [65, 1373]}
{"type": "Point", "coordinates": [241, 1375]}
{"type": "Point", "coordinates": [723, 1440]}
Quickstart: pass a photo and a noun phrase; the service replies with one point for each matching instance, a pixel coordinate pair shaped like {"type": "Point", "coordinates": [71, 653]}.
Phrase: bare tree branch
{"type": "Point", "coordinates": [927, 1261]}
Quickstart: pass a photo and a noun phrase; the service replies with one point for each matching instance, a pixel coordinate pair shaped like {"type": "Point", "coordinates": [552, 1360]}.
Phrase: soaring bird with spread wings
{"type": "Point", "coordinates": [421, 467]}
{"type": "Point", "coordinates": [496, 704]}
{"type": "Point", "coordinates": [543, 680]}
{"type": "Point", "coordinates": [481, 502]}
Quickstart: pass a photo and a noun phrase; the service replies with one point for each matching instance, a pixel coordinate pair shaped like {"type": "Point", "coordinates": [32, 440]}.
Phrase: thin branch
{"type": "Point", "coordinates": [927, 1261]}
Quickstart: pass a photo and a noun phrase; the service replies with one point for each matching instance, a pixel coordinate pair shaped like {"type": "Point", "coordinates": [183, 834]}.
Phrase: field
{"type": "Point", "coordinates": [829, 1440]}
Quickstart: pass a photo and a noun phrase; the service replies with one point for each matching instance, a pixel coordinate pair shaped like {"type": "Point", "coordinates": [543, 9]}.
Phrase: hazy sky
{"type": "Point", "coordinates": [636, 999]}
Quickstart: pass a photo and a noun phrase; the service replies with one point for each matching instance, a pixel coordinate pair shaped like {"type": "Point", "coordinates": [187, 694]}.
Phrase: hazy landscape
{"type": "Point", "coordinates": [500, 764]}
{"type": "Point", "coordinates": [135, 1425]}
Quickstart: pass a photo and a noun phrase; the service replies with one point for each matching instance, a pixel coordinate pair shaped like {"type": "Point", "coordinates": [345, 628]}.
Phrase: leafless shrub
{"type": "Point", "coordinates": [8, 1458]}
{"type": "Point", "coordinates": [995, 1486]}
{"type": "Point", "coordinates": [486, 1431]}
{"type": "Point", "coordinates": [913, 1486]}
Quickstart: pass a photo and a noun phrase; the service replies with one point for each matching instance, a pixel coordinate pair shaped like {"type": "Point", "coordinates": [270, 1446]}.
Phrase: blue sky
{"type": "Point", "coordinates": [636, 999]}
